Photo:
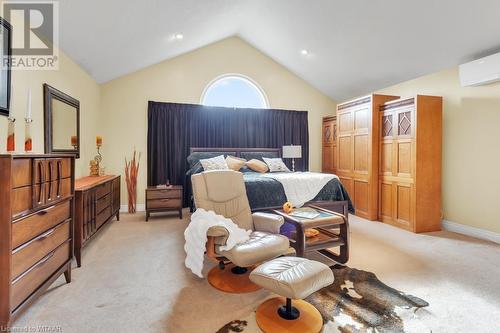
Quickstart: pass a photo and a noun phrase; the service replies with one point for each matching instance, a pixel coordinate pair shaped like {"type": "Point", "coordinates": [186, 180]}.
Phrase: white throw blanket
{"type": "Point", "coordinates": [301, 187]}
{"type": "Point", "coordinates": [196, 237]}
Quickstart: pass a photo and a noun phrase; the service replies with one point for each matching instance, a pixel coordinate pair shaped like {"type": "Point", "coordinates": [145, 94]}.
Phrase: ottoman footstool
{"type": "Point", "coordinates": [293, 278]}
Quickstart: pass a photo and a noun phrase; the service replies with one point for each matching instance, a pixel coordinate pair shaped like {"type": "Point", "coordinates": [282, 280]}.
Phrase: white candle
{"type": "Point", "coordinates": [11, 100]}
{"type": "Point", "coordinates": [28, 111]}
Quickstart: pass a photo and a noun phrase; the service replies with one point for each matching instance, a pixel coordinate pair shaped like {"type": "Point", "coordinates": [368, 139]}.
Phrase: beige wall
{"type": "Point", "coordinates": [71, 79]}
{"type": "Point", "coordinates": [182, 79]}
{"type": "Point", "coordinates": [471, 153]}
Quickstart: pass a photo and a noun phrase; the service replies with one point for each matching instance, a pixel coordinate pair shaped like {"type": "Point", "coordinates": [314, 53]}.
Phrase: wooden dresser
{"type": "Point", "coordinates": [36, 227]}
{"type": "Point", "coordinates": [410, 163]}
{"type": "Point", "coordinates": [357, 147]}
{"type": "Point", "coordinates": [329, 145]}
{"type": "Point", "coordinates": [97, 202]}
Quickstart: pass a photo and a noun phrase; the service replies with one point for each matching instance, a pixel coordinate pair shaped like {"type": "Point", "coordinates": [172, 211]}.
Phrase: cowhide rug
{"type": "Point", "coordinates": [357, 302]}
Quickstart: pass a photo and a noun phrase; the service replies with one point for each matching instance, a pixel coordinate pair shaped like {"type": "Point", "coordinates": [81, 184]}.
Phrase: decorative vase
{"type": "Point", "coordinates": [11, 140]}
{"type": "Point", "coordinates": [131, 171]}
{"type": "Point", "coordinates": [28, 141]}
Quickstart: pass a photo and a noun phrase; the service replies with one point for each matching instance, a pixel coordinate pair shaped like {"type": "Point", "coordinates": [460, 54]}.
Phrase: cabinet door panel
{"type": "Point", "coordinates": [403, 206]}
{"type": "Point", "coordinates": [361, 153]}
{"type": "Point", "coordinates": [327, 159]}
{"type": "Point", "coordinates": [361, 118]}
{"type": "Point", "coordinates": [345, 153]}
{"type": "Point", "coordinates": [361, 196]}
{"type": "Point", "coordinates": [345, 122]}
{"type": "Point", "coordinates": [404, 159]}
{"type": "Point", "coordinates": [348, 185]}
{"type": "Point", "coordinates": [386, 158]}
{"type": "Point", "coordinates": [327, 134]}
{"type": "Point", "coordinates": [386, 201]}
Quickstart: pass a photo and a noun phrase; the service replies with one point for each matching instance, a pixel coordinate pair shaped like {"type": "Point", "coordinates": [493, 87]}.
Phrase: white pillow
{"type": "Point", "coordinates": [275, 164]}
{"type": "Point", "coordinates": [214, 163]}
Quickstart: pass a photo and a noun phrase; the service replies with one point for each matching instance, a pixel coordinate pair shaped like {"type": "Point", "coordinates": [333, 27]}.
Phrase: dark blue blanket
{"type": "Point", "coordinates": [265, 192]}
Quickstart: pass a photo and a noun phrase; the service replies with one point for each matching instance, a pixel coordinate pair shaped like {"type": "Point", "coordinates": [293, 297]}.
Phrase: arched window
{"type": "Point", "coordinates": [234, 90]}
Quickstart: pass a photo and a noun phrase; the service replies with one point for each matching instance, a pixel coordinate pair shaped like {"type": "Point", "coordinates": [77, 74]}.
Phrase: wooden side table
{"type": "Point", "coordinates": [333, 230]}
{"type": "Point", "coordinates": [163, 200]}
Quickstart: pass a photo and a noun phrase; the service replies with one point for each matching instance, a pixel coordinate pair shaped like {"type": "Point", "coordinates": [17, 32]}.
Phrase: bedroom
{"type": "Point", "coordinates": [296, 60]}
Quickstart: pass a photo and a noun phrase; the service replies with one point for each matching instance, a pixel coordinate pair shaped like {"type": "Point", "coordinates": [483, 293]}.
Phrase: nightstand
{"type": "Point", "coordinates": [163, 200]}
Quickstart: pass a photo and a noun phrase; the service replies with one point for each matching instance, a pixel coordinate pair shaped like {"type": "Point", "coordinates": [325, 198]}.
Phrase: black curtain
{"type": "Point", "coordinates": [174, 128]}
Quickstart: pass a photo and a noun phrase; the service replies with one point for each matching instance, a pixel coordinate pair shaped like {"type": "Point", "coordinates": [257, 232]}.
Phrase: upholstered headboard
{"type": "Point", "coordinates": [198, 153]}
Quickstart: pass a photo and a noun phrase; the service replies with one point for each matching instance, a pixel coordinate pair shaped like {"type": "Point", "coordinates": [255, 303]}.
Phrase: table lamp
{"type": "Point", "coordinates": [292, 152]}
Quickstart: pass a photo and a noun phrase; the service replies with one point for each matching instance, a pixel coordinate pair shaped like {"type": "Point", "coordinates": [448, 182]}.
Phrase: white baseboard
{"type": "Point", "coordinates": [471, 231]}
{"type": "Point", "coordinates": [138, 208]}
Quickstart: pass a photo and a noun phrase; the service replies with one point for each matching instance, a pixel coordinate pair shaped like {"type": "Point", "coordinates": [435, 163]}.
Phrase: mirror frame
{"type": "Point", "coordinates": [6, 25]}
{"type": "Point", "coordinates": [48, 94]}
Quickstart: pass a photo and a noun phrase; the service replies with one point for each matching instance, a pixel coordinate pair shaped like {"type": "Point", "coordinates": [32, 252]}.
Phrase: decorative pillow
{"type": "Point", "coordinates": [235, 163]}
{"type": "Point", "coordinates": [214, 163]}
{"type": "Point", "coordinates": [257, 165]}
{"type": "Point", "coordinates": [276, 165]}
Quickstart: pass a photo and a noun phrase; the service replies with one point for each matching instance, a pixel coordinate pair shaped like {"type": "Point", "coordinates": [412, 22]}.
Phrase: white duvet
{"type": "Point", "coordinates": [301, 187]}
{"type": "Point", "coordinates": [196, 237]}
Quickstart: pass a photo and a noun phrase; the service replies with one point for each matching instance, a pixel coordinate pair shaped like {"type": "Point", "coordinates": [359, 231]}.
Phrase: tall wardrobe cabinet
{"type": "Point", "coordinates": [329, 142]}
{"type": "Point", "coordinates": [410, 163]}
{"type": "Point", "coordinates": [357, 144]}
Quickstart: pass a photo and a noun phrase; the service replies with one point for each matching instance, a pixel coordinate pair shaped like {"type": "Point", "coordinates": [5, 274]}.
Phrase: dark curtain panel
{"type": "Point", "coordinates": [174, 128]}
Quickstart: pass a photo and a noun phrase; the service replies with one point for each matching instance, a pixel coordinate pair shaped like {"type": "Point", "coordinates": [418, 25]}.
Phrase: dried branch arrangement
{"type": "Point", "coordinates": [131, 171]}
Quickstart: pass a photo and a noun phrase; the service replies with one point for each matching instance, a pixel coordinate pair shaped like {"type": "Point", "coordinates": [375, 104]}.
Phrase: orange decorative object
{"type": "Point", "coordinates": [11, 141]}
{"type": "Point", "coordinates": [28, 144]}
{"type": "Point", "coordinates": [74, 141]}
{"type": "Point", "coordinates": [287, 207]}
{"type": "Point", "coordinates": [311, 233]}
{"type": "Point", "coordinates": [98, 140]}
{"type": "Point", "coordinates": [11, 145]}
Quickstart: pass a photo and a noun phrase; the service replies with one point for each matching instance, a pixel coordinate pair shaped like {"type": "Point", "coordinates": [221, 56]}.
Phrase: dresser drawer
{"type": "Point", "coordinates": [164, 194]}
{"type": "Point", "coordinates": [21, 172]}
{"type": "Point", "coordinates": [102, 203]}
{"type": "Point", "coordinates": [102, 190]}
{"type": "Point", "coordinates": [27, 255]}
{"type": "Point", "coordinates": [103, 216]}
{"type": "Point", "coordinates": [27, 283]}
{"type": "Point", "coordinates": [164, 203]}
{"type": "Point", "coordinates": [35, 224]}
{"type": "Point", "coordinates": [21, 199]}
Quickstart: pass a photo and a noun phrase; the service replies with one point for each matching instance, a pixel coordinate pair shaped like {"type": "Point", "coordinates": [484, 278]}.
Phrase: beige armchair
{"type": "Point", "coordinates": [223, 191]}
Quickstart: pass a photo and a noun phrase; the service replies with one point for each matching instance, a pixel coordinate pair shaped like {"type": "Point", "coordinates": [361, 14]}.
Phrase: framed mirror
{"type": "Point", "coordinates": [61, 122]}
{"type": "Point", "coordinates": [5, 54]}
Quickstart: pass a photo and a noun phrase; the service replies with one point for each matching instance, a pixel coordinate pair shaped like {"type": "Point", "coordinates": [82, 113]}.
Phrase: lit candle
{"type": "Point", "coordinates": [28, 109]}
{"type": "Point", "coordinates": [98, 140]}
{"type": "Point", "coordinates": [74, 141]}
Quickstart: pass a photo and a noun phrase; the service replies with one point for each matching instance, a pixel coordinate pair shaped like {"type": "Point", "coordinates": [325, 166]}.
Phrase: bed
{"type": "Point", "coordinates": [263, 192]}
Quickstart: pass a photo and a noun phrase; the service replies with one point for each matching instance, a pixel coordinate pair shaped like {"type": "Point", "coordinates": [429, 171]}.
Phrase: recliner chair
{"type": "Point", "coordinates": [223, 191]}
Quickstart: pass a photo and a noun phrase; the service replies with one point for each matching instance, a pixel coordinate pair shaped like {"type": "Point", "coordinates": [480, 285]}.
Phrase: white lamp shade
{"type": "Point", "coordinates": [292, 151]}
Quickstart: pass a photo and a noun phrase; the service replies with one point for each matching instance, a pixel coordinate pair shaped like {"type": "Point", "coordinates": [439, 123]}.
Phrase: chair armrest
{"type": "Point", "coordinates": [219, 233]}
{"type": "Point", "coordinates": [267, 222]}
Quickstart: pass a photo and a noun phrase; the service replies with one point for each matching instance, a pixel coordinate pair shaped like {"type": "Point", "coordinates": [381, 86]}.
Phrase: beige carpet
{"type": "Point", "coordinates": [133, 280]}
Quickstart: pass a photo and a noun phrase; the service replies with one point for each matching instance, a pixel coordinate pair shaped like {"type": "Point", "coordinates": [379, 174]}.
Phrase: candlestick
{"type": "Point", "coordinates": [28, 142]}
{"type": "Point", "coordinates": [11, 142]}
{"type": "Point", "coordinates": [28, 109]}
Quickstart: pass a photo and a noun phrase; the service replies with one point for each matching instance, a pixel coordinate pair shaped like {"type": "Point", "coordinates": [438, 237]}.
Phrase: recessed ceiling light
{"type": "Point", "coordinates": [179, 36]}
{"type": "Point", "coordinates": [304, 52]}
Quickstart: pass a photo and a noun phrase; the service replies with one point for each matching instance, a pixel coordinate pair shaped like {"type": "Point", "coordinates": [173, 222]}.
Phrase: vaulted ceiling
{"type": "Point", "coordinates": [354, 46]}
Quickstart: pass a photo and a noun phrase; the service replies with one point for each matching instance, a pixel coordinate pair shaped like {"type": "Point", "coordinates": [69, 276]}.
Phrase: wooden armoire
{"type": "Point", "coordinates": [329, 145]}
{"type": "Point", "coordinates": [410, 163]}
{"type": "Point", "coordinates": [357, 145]}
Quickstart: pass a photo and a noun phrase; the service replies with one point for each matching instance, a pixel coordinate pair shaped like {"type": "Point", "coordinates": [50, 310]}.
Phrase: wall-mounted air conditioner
{"type": "Point", "coordinates": [481, 71]}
